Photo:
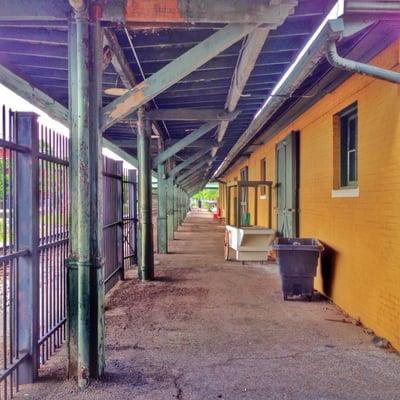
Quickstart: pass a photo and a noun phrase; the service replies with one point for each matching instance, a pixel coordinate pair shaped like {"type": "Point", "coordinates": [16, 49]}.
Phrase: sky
{"type": "Point", "coordinates": [17, 103]}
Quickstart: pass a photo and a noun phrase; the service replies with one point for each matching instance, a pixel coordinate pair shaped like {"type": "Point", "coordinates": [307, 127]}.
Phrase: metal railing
{"type": "Point", "coordinates": [130, 219]}
{"type": "Point", "coordinates": [34, 226]}
{"type": "Point", "coordinates": [53, 242]}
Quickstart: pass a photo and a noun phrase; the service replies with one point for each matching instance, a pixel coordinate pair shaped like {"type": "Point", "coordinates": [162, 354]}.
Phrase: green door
{"type": "Point", "coordinates": [287, 185]}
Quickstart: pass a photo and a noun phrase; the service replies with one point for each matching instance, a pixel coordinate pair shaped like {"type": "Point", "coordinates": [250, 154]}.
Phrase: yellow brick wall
{"type": "Point", "coordinates": [363, 231]}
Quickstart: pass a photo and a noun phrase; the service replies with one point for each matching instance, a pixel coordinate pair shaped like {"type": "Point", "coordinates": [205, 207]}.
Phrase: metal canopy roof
{"type": "Point", "coordinates": [37, 51]}
{"type": "Point", "coordinates": [362, 46]}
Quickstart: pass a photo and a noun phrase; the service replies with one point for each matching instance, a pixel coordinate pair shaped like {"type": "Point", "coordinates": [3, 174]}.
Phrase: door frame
{"type": "Point", "coordinates": [294, 137]}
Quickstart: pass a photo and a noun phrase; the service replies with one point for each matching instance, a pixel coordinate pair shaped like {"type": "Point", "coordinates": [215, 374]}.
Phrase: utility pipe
{"type": "Point", "coordinates": [360, 68]}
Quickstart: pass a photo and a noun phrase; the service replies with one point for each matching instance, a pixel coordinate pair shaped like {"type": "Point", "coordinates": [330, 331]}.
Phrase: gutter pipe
{"type": "Point", "coordinates": [325, 44]}
{"type": "Point", "coordinates": [359, 68]}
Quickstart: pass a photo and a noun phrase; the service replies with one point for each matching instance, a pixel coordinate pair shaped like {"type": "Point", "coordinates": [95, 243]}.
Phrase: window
{"type": "Point", "coordinates": [263, 175]}
{"type": "Point", "coordinates": [348, 147]}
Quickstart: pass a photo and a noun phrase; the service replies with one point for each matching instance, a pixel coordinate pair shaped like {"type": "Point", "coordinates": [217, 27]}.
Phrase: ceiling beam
{"type": "Point", "coordinates": [155, 11]}
{"type": "Point", "coordinates": [118, 59]}
{"type": "Point", "coordinates": [251, 50]}
{"type": "Point", "coordinates": [189, 114]}
{"type": "Point", "coordinates": [173, 72]}
{"type": "Point", "coordinates": [186, 141]}
{"type": "Point", "coordinates": [50, 106]}
{"type": "Point", "coordinates": [181, 11]}
{"type": "Point", "coordinates": [184, 164]}
{"type": "Point", "coordinates": [131, 143]}
{"type": "Point", "coordinates": [199, 167]}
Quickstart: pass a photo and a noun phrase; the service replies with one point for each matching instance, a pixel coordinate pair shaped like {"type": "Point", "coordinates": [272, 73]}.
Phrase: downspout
{"type": "Point", "coordinates": [360, 68]}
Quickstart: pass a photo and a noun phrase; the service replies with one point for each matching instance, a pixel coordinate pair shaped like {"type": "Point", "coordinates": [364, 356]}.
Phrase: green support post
{"type": "Point", "coordinates": [85, 293]}
{"type": "Point", "coordinates": [170, 208]}
{"type": "Point", "coordinates": [162, 235]}
{"type": "Point", "coordinates": [176, 208]}
{"type": "Point", "coordinates": [146, 252]}
{"type": "Point", "coordinates": [183, 205]}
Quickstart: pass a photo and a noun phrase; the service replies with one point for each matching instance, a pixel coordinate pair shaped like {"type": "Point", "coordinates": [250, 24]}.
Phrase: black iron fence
{"type": "Point", "coordinates": [34, 219]}
{"type": "Point", "coordinates": [53, 239]}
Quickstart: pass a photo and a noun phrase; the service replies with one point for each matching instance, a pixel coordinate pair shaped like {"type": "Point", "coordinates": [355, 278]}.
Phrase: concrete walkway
{"type": "Point", "coordinates": [209, 329]}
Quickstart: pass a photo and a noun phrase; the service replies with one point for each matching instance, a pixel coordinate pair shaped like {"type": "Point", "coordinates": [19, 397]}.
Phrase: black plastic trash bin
{"type": "Point", "coordinates": [298, 260]}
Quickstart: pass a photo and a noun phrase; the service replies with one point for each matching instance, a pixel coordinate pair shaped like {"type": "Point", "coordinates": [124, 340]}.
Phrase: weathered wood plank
{"type": "Point", "coordinates": [173, 72]}
{"type": "Point", "coordinates": [50, 106]}
{"type": "Point", "coordinates": [189, 114]}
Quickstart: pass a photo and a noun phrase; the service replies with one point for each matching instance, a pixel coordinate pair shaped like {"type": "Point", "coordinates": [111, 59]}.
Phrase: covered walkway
{"type": "Point", "coordinates": [209, 329]}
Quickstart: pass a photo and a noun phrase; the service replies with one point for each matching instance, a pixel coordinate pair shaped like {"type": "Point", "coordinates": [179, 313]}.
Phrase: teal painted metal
{"type": "Point", "coordinates": [192, 179]}
{"type": "Point", "coordinates": [85, 273]}
{"type": "Point", "coordinates": [173, 72]}
{"type": "Point", "coordinates": [186, 141]}
{"type": "Point", "coordinates": [145, 254]}
{"type": "Point", "coordinates": [162, 234]}
{"type": "Point", "coordinates": [189, 114]}
{"type": "Point", "coordinates": [27, 179]}
{"type": "Point", "coordinates": [174, 171]}
{"type": "Point", "coordinates": [187, 174]}
{"type": "Point", "coordinates": [170, 209]}
{"type": "Point", "coordinates": [51, 107]}
{"type": "Point", "coordinates": [176, 207]}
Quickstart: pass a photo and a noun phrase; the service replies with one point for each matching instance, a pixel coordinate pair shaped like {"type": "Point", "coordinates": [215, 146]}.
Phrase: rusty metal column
{"type": "Point", "coordinates": [85, 274]}
{"type": "Point", "coordinates": [146, 252]}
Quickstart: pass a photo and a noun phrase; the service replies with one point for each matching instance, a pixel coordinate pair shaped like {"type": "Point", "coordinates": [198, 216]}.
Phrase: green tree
{"type": "Point", "coordinates": [207, 194]}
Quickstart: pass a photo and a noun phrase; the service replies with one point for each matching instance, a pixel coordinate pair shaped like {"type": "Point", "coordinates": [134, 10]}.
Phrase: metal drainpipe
{"type": "Point", "coordinates": [354, 66]}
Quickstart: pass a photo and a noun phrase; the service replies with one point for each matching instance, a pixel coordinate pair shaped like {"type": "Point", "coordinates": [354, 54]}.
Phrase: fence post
{"type": "Point", "coordinates": [120, 217]}
{"type": "Point", "coordinates": [133, 233]}
{"type": "Point", "coordinates": [27, 174]}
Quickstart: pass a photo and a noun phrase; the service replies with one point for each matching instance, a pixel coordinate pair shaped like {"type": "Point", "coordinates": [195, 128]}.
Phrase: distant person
{"type": "Point", "coordinates": [199, 203]}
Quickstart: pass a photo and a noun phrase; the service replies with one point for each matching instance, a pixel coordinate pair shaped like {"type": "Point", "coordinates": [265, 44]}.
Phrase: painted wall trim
{"type": "Point", "coordinates": [343, 193]}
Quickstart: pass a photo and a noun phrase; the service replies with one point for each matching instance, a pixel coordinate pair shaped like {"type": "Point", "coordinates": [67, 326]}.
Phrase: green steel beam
{"type": "Point", "coordinates": [162, 233]}
{"type": "Point", "coordinates": [189, 114]}
{"type": "Point", "coordinates": [190, 172]}
{"type": "Point", "coordinates": [52, 10]}
{"type": "Point", "coordinates": [198, 172]}
{"type": "Point", "coordinates": [51, 107]}
{"type": "Point", "coordinates": [192, 182]}
{"type": "Point", "coordinates": [118, 60]}
{"type": "Point", "coordinates": [170, 209]}
{"type": "Point", "coordinates": [175, 12]}
{"type": "Point", "coordinates": [186, 141]}
{"type": "Point", "coordinates": [174, 72]}
{"type": "Point", "coordinates": [184, 164]}
{"type": "Point", "coordinates": [146, 253]}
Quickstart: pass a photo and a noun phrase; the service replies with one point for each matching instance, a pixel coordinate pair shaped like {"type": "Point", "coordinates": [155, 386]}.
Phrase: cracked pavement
{"type": "Point", "coordinates": [210, 329]}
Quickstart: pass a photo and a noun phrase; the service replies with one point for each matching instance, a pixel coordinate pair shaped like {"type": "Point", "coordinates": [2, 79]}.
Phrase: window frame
{"type": "Point", "coordinates": [263, 175]}
{"type": "Point", "coordinates": [346, 116]}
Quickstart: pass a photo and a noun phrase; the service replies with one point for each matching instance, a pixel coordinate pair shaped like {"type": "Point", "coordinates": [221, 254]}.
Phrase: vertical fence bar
{"type": "Point", "coordinates": [120, 216]}
{"type": "Point", "coordinates": [28, 229]}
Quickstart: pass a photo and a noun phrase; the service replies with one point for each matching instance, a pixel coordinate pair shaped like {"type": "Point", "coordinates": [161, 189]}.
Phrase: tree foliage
{"type": "Point", "coordinates": [207, 194]}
